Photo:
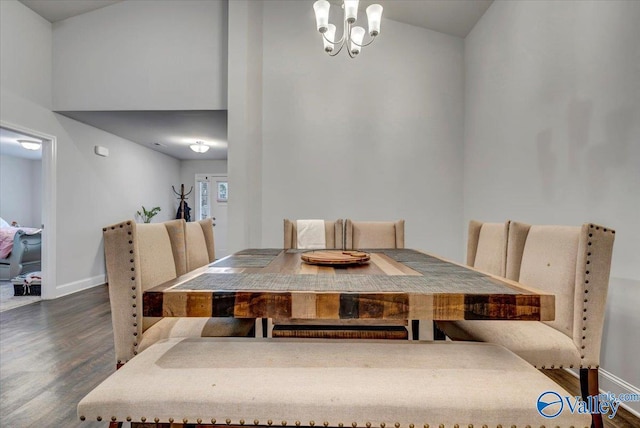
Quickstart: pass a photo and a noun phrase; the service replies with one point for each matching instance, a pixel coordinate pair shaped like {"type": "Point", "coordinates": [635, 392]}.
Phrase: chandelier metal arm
{"type": "Point", "coordinates": [365, 44]}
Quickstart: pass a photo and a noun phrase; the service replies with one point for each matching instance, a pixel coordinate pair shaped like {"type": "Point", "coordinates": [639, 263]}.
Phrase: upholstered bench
{"type": "Point", "coordinates": [330, 383]}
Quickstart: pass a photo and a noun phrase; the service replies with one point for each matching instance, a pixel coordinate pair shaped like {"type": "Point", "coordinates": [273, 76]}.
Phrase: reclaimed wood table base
{"type": "Point", "coordinates": [394, 285]}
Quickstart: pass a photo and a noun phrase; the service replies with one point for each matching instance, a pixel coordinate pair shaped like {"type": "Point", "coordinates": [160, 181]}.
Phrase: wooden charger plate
{"type": "Point", "coordinates": [335, 257]}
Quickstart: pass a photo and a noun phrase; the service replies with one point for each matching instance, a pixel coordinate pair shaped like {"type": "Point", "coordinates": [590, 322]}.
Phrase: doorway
{"type": "Point", "coordinates": [212, 193]}
{"type": "Point", "coordinates": [45, 205]}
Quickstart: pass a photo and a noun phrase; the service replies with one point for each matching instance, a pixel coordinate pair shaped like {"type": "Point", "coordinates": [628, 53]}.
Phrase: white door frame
{"type": "Point", "coordinates": [49, 162]}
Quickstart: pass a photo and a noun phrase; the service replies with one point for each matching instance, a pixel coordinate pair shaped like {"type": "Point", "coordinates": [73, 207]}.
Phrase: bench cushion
{"type": "Point", "coordinates": [338, 382]}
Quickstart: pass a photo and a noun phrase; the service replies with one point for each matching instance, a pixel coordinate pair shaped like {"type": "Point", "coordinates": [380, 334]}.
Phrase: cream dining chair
{"type": "Point", "coordinates": [373, 234]}
{"type": "Point", "coordinates": [142, 256]}
{"type": "Point", "coordinates": [573, 263]}
{"type": "Point", "coordinates": [334, 232]}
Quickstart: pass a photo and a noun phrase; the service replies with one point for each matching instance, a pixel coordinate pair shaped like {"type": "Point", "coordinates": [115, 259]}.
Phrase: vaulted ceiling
{"type": "Point", "coordinates": [157, 130]}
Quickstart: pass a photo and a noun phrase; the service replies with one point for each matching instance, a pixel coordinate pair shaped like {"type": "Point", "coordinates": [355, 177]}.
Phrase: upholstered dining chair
{"type": "Point", "coordinates": [334, 234]}
{"type": "Point", "coordinates": [487, 246]}
{"type": "Point", "coordinates": [142, 256]}
{"type": "Point", "coordinates": [573, 263]}
{"type": "Point", "coordinates": [486, 251]}
{"type": "Point", "coordinates": [373, 234]}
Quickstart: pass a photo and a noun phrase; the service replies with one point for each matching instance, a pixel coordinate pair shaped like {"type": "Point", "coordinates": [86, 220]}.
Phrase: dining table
{"type": "Point", "coordinates": [393, 284]}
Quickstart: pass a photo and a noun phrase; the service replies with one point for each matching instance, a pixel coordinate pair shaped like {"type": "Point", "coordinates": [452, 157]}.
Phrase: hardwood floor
{"type": "Point", "coordinates": [53, 352]}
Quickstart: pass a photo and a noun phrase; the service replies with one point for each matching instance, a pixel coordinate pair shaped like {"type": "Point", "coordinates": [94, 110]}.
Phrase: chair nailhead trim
{"type": "Point", "coordinates": [170, 420]}
{"type": "Point", "coordinates": [128, 418]}
{"type": "Point", "coordinates": [156, 420]}
{"type": "Point", "coordinates": [113, 418]}
{"type": "Point", "coordinates": [213, 421]}
{"type": "Point", "coordinates": [185, 420]}
{"type": "Point", "coordinates": [143, 419]}
{"type": "Point", "coordinates": [82, 417]}
{"type": "Point", "coordinates": [257, 422]}
{"type": "Point", "coordinates": [199, 421]}
{"type": "Point", "coordinates": [311, 423]}
{"type": "Point", "coordinates": [99, 418]}
{"type": "Point", "coordinates": [228, 421]}
{"type": "Point", "coordinates": [241, 422]}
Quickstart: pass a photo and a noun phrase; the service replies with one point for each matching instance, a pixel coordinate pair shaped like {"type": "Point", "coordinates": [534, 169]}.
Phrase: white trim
{"type": "Point", "coordinates": [608, 382]}
{"type": "Point", "coordinates": [83, 284]}
{"type": "Point", "coordinates": [49, 179]}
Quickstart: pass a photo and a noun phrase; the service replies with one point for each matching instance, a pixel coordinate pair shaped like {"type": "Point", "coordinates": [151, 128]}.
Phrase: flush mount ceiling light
{"type": "Point", "coordinates": [351, 36]}
{"type": "Point", "coordinates": [30, 144]}
{"type": "Point", "coordinates": [199, 147]}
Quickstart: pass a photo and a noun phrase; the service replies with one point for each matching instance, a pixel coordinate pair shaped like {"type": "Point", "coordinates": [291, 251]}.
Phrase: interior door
{"type": "Point", "coordinates": [213, 192]}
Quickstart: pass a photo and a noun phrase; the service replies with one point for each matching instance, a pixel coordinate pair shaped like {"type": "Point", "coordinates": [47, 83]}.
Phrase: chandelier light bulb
{"type": "Point", "coordinates": [374, 16]}
{"type": "Point", "coordinates": [329, 38]}
{"type": "Point", "coordinates": [321, 8]}
{"type": "Point", "coordinates": [357, 35]}
{"type": "Point", "coordinates": [351, 10]}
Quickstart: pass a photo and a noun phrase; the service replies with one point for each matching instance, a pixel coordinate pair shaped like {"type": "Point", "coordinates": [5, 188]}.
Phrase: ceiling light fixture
{"type": "Point", "coordinates": [199, 147]}
{"type": "Point", "coordinates": [351, 36]}
{"type": "Point", "coordinates": [30, 144]}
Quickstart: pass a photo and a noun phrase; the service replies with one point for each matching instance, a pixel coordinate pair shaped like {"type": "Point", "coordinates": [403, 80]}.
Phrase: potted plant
{"type": "Point", "coordinates": [146, 216]}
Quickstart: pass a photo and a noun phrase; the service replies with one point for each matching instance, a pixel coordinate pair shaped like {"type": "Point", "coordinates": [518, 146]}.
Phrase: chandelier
{"type": "Point", "coordinates": [352, 36]}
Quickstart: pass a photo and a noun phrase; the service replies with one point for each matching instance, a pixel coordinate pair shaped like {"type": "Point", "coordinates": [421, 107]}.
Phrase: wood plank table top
{"type": "Point", "coordinates": [399, 284]}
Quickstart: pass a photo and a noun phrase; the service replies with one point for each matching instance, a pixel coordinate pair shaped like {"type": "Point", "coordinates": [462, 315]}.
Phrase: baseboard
{"type": "Point", "coordinates": [609, 382]}
{"type": "Point", "coordinates": [83, 284]}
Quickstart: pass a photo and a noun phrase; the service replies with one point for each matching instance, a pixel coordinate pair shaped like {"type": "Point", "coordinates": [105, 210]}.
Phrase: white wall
{"type": "Point", "coordinates": [188, 171]}
{"type": "Point", "coordinates": [29, 53]}
{"type": "Point", "coordinates": [375, 138]}
{"type": "Point", "coordinates": [244, 124]}
{"type": "Point", "coordinates": [92, 191]}
{"type": "Point", "coordinates": [142, 55]}
{"type": "Point", "coordinates": [552, 131]}
{"type": "Point", "coordinates": [20, 182]}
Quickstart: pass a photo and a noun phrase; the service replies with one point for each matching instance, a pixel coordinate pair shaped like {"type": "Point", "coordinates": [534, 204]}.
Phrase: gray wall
{"type": "Point", "coordinates": [552, 131]}
{"type": "Point", "coordinates": [376, 138]}
{"type": "Point", "coordinates": [244, 124]}
{"type": "Point", "coordinates": [20, 190]}
{"type": "Point", "coordinates": [92, 191]}
{"type": "Point", "coordinates": [143, 55]}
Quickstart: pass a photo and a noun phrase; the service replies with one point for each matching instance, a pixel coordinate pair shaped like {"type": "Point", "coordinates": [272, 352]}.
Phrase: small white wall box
{"type": "Point", "coordinates": [101, 151]}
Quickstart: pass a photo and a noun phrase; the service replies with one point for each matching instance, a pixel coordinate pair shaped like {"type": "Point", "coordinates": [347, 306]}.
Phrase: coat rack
{"type": "Point", "coordinates": [182, 196]}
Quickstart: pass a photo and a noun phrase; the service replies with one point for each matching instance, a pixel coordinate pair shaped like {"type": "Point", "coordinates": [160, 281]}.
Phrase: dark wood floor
{"type": "Point", "coordinates": [52, 353]}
